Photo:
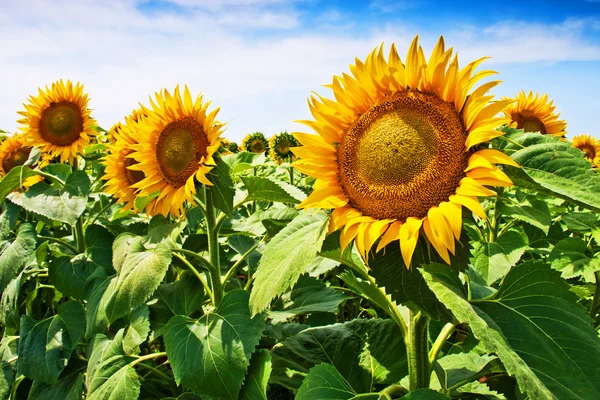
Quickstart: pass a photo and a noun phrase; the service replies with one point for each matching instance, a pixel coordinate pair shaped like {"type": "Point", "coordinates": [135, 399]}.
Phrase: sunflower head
{"type": "Point", "coordinates": [14, 152]}
{"type": "Point", "coordinates": [535, 114]}
{"type": "Point", "coordinates": [255, 143]}
{"type": "Point", "coordinates": [174, 149]}
{"type": "Point", "coordinates": [402, 149]}
{"type": "Point", "coordinates": [58, 121]}
{"type": "Point", "coordinates": [280, 146]}
{"type": "Point", "coordinates": [233, 147]}
{"type": "Point", "coordinates": [590, 147]}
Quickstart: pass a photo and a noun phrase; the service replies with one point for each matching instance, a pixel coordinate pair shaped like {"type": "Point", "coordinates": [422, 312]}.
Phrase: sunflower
{"type": "Point", "coordinates": [118, 127]}
{"type": "Point", "coordinates": [233, 147]}
{"type": "Point", "coordinates": [280, 147]}
{"type": "Point", "coordinates": [398, 150]}
{"type": "Point", "coordinates": [119, 178]}
{"type": "Point", "coordinates": [535, 114]}
{"type": "Point", "coordinates": [255, 143]}
{"type": "Point", "coordinates": [590, 148]}
{"type": "Point", "coordinates": [58, 120]}
{"type": "Point", "coordinates": [15, 152]}
{"type": "Point", "coordinates": [176, 143]}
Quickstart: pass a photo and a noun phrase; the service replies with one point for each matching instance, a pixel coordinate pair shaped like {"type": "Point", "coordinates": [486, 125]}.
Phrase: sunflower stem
{"type": "Point", "coordinates": [59, 241]}
{"type": "Point", "coordinates": [291, 169]}
{"type": "Point", "coordinates": [213, 249]}
{"type": "Point", "coordinates": [448, 329]}
{"type": "Point", "coordinates": [80, 235]}
{"type": "Point", "coordinates": [417, 349]}
{"type": "Point", "coordinates": [496, 218]}
{"type": "Point", "coordinates": [596, 299]}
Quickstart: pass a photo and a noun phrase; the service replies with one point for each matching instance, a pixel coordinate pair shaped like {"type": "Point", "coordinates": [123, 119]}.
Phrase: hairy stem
{"type": "Point", "coordinates": [195, 272]}
{"type": "Point", "coordinates": [439, 342]}
{"type": "Point", "coordinates": [59, 241]}
{"type": "Point", "coordinates": [213, 249]}
{"type": "Point", "coordinates": [417, 349]}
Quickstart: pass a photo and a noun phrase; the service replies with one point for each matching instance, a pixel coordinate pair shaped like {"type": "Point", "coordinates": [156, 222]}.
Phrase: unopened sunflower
{"type": "Point", "coordinates": [535, 114]}
{"type": "Point", "coordinates": [58, 121]}
{"type": "Point", "coordinates": [117, 174]}
{"type": "Point", "coordinates": [255, 143]}
{"type": "Point", "coordinates": [14, 152]}
{"type": "Point", "coordinates": [398, 150]}
{"type": "Point", "coordinates": [590, 148]}
{"type": "Point", "coordinates": [176, 143]}
{"type": "Point", "coordinates": [280, 147]}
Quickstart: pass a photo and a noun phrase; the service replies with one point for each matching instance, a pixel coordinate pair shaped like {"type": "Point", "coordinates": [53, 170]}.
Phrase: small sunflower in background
{"type": "Point", "coordinates": [280, 147]}
{"type": "Point", "coordinates": [535, 114]}
{"type": "Point", "coordinates": [175, 148]}
{"type": "Point", "coordinates": [590, 148]}
{"type": "Point", "coordinates": [233, 147]}
{"type": "Point", "coordinates": [117, 174]}
{"type": "Point", "coordinates": [402, 149]}
{"type": "Point", "coordinates": [228, 147]}
{"type": "Point", "coordinates": [255, 143]}
{"type": "Point", "coordinates": [116, 128]}
{"type": "Point", "coordinates": [58, 121]}
{"type": "Point", "coordinates": [14, 152]}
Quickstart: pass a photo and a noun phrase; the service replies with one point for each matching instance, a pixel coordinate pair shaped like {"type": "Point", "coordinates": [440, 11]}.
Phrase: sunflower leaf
{"type": "Point", "coordinates": [14, 179]}
{"type": "Point", "coordinates": [492, 260]}
{"type": "Point", "coordinates": [267, 189]}
{"type": "Point", "coordinates": [16, 254]}
{"type": "Point", "coordinates": [550, 165]}
{"type": "Point", "coordinates": [257, 379]}
{"type": "Point", "coordinates": [210, 355]}
{"type": "Point", "coordinates": [222, 191]}
{"type": "Point", "coordinates": [325, 382]}
{"type": "Point", "coordinates": [286, 257]}
{"type": "Point", "coordinates": [534, 325]}
{"type": "Point", "coordinates": [64, 204]}
{"type": "Point", "coordinates": [569, 257]}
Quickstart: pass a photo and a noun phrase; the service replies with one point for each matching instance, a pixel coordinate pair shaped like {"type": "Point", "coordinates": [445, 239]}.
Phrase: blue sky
{"type": "Point", "coordinates": [260, 59]}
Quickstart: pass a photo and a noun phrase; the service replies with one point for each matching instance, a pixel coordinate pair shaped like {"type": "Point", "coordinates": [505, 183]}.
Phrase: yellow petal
{"type": "Point", "coordinates": [312, 140]}
{"type": "Point", "coordinates": [492, 177]}
{"type": "Point", "coordinates": [341, 216]}
{"type": "Point", "coordinates": [325, 170]}
{"type": "Point", "coordinates": [453, 214]}
{"type": "Point", "coordinates": [409, 236]}
{"type": "Point", "coordinates": [440, 228]}
{"type": "Point", "coordinates": [374, 232]}
{"type": "Point", "coordinates": [392, 233]}
{"type": "Point", "coordinates": [469, 187]}
{"type": "Point", "coordinates": [348, 235]}
{"type": "Point", "coordinates": [478, 161]}
{"type": "Point", "coordinates": [435, 241]}
{"type": "Point", "coordinates": [326, 197]}
{"type": "Point", "coordinates": [497, 157]}
{"type": "Point", "coordinates": [471, 202]}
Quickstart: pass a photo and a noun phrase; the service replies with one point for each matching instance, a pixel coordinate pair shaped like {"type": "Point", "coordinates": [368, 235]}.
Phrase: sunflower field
{"type": "Point", "coordinates": [424, 241]}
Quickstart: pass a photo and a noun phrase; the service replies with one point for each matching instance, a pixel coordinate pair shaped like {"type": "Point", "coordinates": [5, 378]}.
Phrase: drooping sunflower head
{"type": "Point", "coordinates": [590, 147]}
{"type": "Point", "coordinates": [176, 143]}
{"type": "Point", "coordinates": [233, 147]}
{"type": "Point", "coordinates": [399, 150]}
{"type": "Point", "coordinates": [58, 121]}
{"type": "Point", "coordinates": [280, 146]}
{"type": "Point", "coordinates": [535, 114]}
{"type": "Point", "coordinates": [117, 174]}
{"type": "Point", "coordinates": [14, 152]}
{"type": "Point", "coordinates": [255, 143]}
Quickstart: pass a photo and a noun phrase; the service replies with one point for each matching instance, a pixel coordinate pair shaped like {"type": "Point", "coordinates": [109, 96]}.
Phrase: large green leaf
{"type": "Point", "coordinates": [286, 257]}
{"type": "Point", "coordinates": [268, 189]}
{"type": "Point", "coordinates": [222, 191]}
{"type": "Point", "coordinates": [210, 355]}
{"type": "Point", "coordinates": [183, 296]}
{"type": "Point", "coordinates": [46, 346]}
{"type": "Point", "coordinates": [142, 272]}
{"type": "Point", "coordinates": [16, 254]}
{"type": "Point", "coordinates": [14, 179]}
{"type": "Point", "coordinates": [110, 375]}
{"type": "Point", "coordinates": [98, 246]}
{"type": "Point", "coordinates": [67, 388]}
{"type": "Point", "coordinates": [569, 256]}
{"type": "Point", "coordinates": [551, 165]}
{"type": "Point", "coordinates": [7, 372]}
{"type": "Point", "coordinates": [406, 286]}
{"type": "Point", "coordinates": [257, 378]}
{"type": "Point", "coordinates": [8, 219]}
{"type": "Point", "coordinates": [324, 382]}
{"type": "Point", "coordinates": [531, 210]}
{"type": "Point", "coordinates": [454, 369]}
{"type": "Point", "coordinates": [309, 295]}
{"type": "Point", "coordinates": [64, 204]}
{"type": "Point", "coordinates": [492, 260]}
{"type": "Point", "coordinates": [70, 275]}
{"type": "Point", "coordinates": [535, 326]}
{"type": "Point", "coordinates": [365, 352]}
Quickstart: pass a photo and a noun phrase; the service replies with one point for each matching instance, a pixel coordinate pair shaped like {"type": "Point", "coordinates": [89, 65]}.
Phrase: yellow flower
{"type": "Point", "coordinates": [397, 151]}
{"type": "Point", "coordinates": [119, 178]}
{"type": "Point", "coordinates": [116, 128]}
{"type": "Point", "coordinates": [13, 153]}
{"type": "Point", "coordinates": [280, 146]}
{"type": "Point", "coordinates": [176, 143]}
{"type": "Point", "coordinates": [58, 121]}
{"type": "Point", "coordinates": [255, 143]}
{"type": "Point", "coordinates": [535, 114]}
{"type": "Point", "coordinates": [590, 148]}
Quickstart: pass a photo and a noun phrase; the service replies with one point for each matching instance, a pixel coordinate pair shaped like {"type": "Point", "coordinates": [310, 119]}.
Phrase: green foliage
{"type": "Point", "coordinates": [492, 260]}
{"type": "Point", "coordinates": [325, 382]}
{"type": "Point", "coordinates": [265, 189]}
{"type": "Point", "coordinates": [16, 254]}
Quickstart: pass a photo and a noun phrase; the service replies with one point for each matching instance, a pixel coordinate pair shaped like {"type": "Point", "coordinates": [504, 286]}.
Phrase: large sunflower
{"type": "Point", "coordinates": [535, 114]}
{"type": "Point", "coordinates": [176, 143]}
{"type": "Point", "coordinates": [15, 152]}
{"type": "Point", "coordinates": [397, 151]}
{"type": "Point", "coordinates": [280, 146]}
{"type": "Point", "coordinates": [58, 121]}
{"type": "Point", "coordinates": [590, 148]}
{"type": "Point", "coordinates": [117, 174]}
{"type": "Point", "coordinates": [255, 143]}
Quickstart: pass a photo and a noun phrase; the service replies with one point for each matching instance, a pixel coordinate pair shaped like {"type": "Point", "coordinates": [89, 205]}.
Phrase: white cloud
{"type": "Point", "coordinates": [123, 55]}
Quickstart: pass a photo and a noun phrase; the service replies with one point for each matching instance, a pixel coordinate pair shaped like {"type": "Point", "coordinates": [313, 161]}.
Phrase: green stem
{"type": "Point", "coordinates": [439, 342]}
{"type": "Point", "coordinates": [51, 177]}
{"type": "Point", "coordinates": [213, 249]}
{"type": "Point", "coordinates": [148, 357]}
{"type": "Point", "coordinates": [59, 241]}
{"type": "Point", "coordinates": [394, 391]}
{"type": "Point", "coordinates": [291, 170]}
{"type": "Point", "coordinates": [596, 300]}
{"type": "Point", "coordinates": [417, 352]}
{"type": "Point", "coordinates": [195, 272]}
{"type": "Point", "coordinates": [110, 203]}
{"type": "Point", "coordinates": [496, 218]}
{"type": "Point", "coordinates": [205, 263]}
{"type": "Point", "coordinates": [235, 266]}
{"type": "Point", "coordinates": [80, 235]}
